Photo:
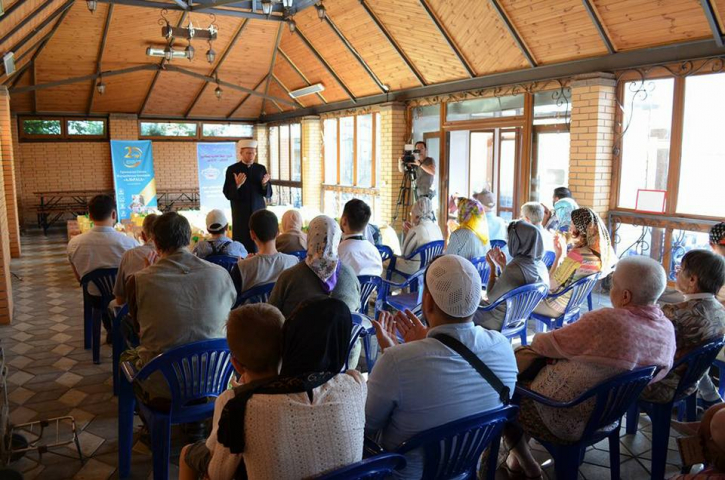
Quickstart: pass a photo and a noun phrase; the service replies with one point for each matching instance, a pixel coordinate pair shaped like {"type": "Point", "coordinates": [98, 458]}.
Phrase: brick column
{"type": "Point", "coordinates": [312, 162]}
{"type": "Point", "coordinates": [392, 141]}
{"type": "Point", "coordinates": [593, 100]}
{"type": "Point", "coordinates": [123, 126]}
{"type": "Point", "coordinates": [8, 167]}
{"type": "Point", "coordinates": [261, 135]}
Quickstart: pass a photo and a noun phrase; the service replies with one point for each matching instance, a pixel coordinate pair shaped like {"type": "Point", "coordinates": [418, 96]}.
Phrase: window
{"type": "Point", "coordinates": [480, 108]}
{"type": "Point", "coordinates": [195, 131]}
{"type": "Point", "coordinates": [168, 129]}
{"type": "Point", "coordinates": [552, 107]}
{"type": "Point", "coordinates": [550, 152]}
{"type": "Point", "coordinates": [62, 129]}
{"type": "Point", "coordinates": [285, 164]}
{"type": "Point", "coordinates": [227, 130]}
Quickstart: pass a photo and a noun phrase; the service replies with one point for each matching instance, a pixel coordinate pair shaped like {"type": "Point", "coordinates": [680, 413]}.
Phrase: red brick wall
{"type": "Point", "coordinates": [8, 167]}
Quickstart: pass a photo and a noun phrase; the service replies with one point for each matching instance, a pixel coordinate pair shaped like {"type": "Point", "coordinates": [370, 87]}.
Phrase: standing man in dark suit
{"type": "Point", "coordinates": [246, 186]}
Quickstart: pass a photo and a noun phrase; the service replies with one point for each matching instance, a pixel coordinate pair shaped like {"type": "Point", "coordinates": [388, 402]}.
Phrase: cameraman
{"type": "Point", "coordinates": [425, 170]}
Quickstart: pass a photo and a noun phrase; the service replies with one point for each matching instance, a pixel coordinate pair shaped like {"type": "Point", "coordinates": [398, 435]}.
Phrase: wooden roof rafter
{"type": "Point", "coordinates": [709, 11]}
{"type": "Point", "coordinates": [299, 72]}
{"type": "Point", "coordinates": [246, 98]}
{"type": "Point", "coordinates": [99, 60]}
{"type": "Point", "coordinates": [512, 31]}
{"type": "Point", "coordinates": [84, 78]}
{"type": "Point", "coordinates": [25, 21]}
{"type": "Point", "coordinates": [60, 10]}
{"type": "Point", "coordinates": [222, 12]}
{"type": "Point", "coordinates": [271, 67]}
{"type": "Point", "coordinates": [287, 90]}
{"type": "Point", "coordinates": [592, 11]}
{"type": "Point", "coordinates": [8, 13]}
{"type": "Point", "coordinates": [327, 66]}
{"type": "Point", "coordinates": [447, 37]}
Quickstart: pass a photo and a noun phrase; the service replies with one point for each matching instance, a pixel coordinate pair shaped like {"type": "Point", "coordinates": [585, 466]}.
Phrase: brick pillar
{"type": "Point", "coordinates": [392, 141]}
{"type": "Point", "coordinates": [123, 126]}
{"type": "Point", "coordinates": [312, 162]}
{"type": "Point", "coordinates": [261, 135]}
{"type": "Point", "coordinates": [8, 167]}
{"type": "Point", "coordinates": [593, 100]}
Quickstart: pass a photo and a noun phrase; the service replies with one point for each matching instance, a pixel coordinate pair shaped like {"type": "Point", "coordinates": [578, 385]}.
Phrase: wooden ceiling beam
{"type": "Point", "coordinates": [241, 102]}
{"type": "Point", "coordinates": [393, 43]}
{"type": "Point", "coordinates": [25, 21]}
{"type": "Point", "coordinates": [592, 11]}
{"type": "Point", "coordinates": [512, 31]}
{"type": "Point", "coordinates": [219, 63]}
{"type": "Point", "coordinates": [279, 82]}
{"type": "Point", "coordinates": [446, 36]}
{"type": "Point", "coordinates": [252, 5]}
{"type": "Point", "coordinates": [327, 66]}
{"type": "Point", "coordinates": [709, 10]}
{"type": "Point", "coordinates": [84, 78]}
{"type": "Point", "coordinates": [299, 72]}
{"type": "Point", "coordinates": [60, 10]}
{"type": "Point", "coordinates": [11, 10]}
{"type": "Point", "coordinates": [182, 4]}
{"type": "Point", "coordinates": [99, 58]}
{"type": "Point", "coordinates": [383, 88]}
{"type": "Point", "coordinates": [222, 12]}
{"type": "Point", "coordinates": [271, 67]}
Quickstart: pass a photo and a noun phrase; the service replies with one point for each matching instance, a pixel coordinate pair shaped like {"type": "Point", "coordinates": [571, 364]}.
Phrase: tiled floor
{"type": "Point", "coordinates": [52, 375]}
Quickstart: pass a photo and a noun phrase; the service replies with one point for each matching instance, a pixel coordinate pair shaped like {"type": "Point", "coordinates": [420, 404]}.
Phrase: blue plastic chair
{"type": "Point", "coordinates": [118, 345]}
{"type": "Point", "coordinates": [368, 285]}
{"type": "Point", "coordinates": [93, 307]}
{"type": "Point", "coordinates": [194, 373]}
{"type": "Point", "coordinates": [386, 253]}
{"type": "Point", "coordinates": [549, 258]}
{"type": "Point", "coordinates": [375, 468]}
{"type": "Point", "coordinates": [228, 262]}
{"type": "Point", "coordinates": [412, 301]}
{"type": "Point", "coordinates": [498, 243]}
{"type": "Point", "coordinates": [301, 254]}
{"type": "Point", "coordinates": [258, 294]}
{"type": "Point", "coordinates": [484, 270]}
{"type": "Point", "coordinates": [721, 376]}
{"type": "Point", "coordinates": [368, 330]}
{"type": "Point", "coordinates": [426, 253]}
{"type": "Point", "coordinates": [612, 398]}
{"type": "Point", "coordinates": [698, 362]}
{"type": "Point", "coordinates": [579, 290]}
{"type": "Point", "coordinates": [520, 302]}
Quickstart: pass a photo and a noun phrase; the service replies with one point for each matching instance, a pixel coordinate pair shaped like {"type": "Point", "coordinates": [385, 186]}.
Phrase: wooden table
{"type": "Point", "coordinates": [54, 205]}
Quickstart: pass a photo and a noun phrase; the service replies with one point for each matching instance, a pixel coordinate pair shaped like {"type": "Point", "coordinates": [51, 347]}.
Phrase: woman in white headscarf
{"type": "Point", "coordinates": [420, 230]}
{"type": "Point", "coordinates": [292, 239]}
{"type": "Point", "coordinates": [320, 275]}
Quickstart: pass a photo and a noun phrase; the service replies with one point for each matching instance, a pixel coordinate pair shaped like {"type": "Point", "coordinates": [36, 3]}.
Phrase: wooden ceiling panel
{"type": "Point", "coordinates": [65, 98]}
{"type": "Point", "coordinates": [276, 91]}
{"type": "Point", "coordinates": [25, 50]}
{"type": "Point", "coordinates": [210, 106]}
{"type": "Point", "coordinates": [555, 30]}
{"type": "Point", "coordinates": [249, 61]}
{"type": "Point", "coordinates": [361, 31]}
{"type": "Point", "coordinates": [308, 64]}
{"type": "Point", "coordinates": [251, 108]}
{"type": "Point", "coordinates": [417, 35]}
{"type": "Point", "coordinates": [719, 7]}
{"type": "Point", "coordinates": [124, 93]}
{"type": "Point", "coordinates": [293, 81]}
{"type": "Point", "coordinates": [22, 102]}
{"type": "Point", "coordinates": [172, 94]}
{"type": "Point", "coordinates": [644, 23]}
{"type": "Point", "coordinates": [335, 52]}
{"type": "Point", "coordinates": [25, 11]}
{"type": "Point", "coordinates": [480, 35]}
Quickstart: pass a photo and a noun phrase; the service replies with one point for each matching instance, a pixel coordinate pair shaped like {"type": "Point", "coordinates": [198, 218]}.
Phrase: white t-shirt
{"type": "Point", "coordinates": [261, 269]}
{"type": "Point", "coordinates": [360, 255]}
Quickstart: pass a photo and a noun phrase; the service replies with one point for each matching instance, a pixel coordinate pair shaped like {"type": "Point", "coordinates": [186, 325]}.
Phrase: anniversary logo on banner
{"type": "Point", "coordinates": [133, 177]}
{"type": "Point", "coordinates": [213, 160]}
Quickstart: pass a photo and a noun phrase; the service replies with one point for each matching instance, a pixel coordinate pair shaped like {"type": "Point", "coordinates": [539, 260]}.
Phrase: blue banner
{"type": "Point", "coordinates": [213, 160]}
{"type": "Point", "coordinates": [133, 177]}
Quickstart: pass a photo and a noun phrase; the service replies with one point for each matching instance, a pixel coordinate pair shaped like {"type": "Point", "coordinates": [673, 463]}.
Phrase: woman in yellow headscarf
{"type": "Point", "coordinates": [470, 240]}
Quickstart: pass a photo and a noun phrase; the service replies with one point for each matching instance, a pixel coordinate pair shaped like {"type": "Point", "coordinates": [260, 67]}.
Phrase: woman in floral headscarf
{"type": "Point", "coordinates": [320, 275]}
{"type": "Point", "coordinates": [470, 240]}
{"type": "Point", "coordinates": [591, 253]}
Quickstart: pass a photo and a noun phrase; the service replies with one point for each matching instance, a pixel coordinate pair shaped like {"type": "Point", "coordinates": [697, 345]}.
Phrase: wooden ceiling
{"type": "Point", "coordinates": [363, 48]}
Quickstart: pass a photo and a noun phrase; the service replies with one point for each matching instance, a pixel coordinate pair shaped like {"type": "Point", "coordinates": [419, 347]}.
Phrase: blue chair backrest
{"type": "Point", "coordinates": [498, 243]}
{"type": "Point", "coordinates": [258, 294]}
{"type": "Point", "coordinates": [698, 362]}
{"type": "Point", "coordinates": [193, 371]}
{"type": "Point", "coordinates": [614, 397]}
{"type": "Point", "coordinates": [386, 253]}
{"type": "Point", "coordinates": [427, 252]}
{"type": "Point", "coordinates": [520, 302]}
{"type": "Point", "coordinates": [226, 261]}
{"type": "Point", "coordinates": [375, 468]}
{"type": "Point", "coordinates": [368, 285]}
{"type": "Point", "coordinates": [453, 450]}
{"type": "Point", "coordinates": [301, 254]}
{"type": "Point", "coordinates": [104, 279]}
{"type": "Point", "coordinates": [580, 290]}
{"type": "Point", "coordinates": [549, 258]}
{"type": "Point", "coordinates": [483, 269]}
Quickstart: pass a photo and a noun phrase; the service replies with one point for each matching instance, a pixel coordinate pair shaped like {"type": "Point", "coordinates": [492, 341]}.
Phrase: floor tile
{"type": "Point", "coordinates": [94, 470]}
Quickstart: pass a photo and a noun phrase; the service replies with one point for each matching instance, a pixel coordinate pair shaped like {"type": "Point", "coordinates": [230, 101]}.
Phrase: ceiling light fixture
{"type": "Point", "coordinates": [267, 7]}
{"type": "Point", "coordinates": [188, 33]}
{"type": "Point", "coordinates": [101, 87]}
{"type": "Point", "coordinates": [168, 53]}
{"type": "Point", "coordinates": [292, 25]}
{"type": "Point", "coordinates": [287, 3]}
{"type": "Point", "coordinates": [189, 51]}
{"type": "Point", "coordinates": [316, 88]}
{"type": "Point", "coordinates": [210, 54]}
{"type": "Point", "coordinates": [218, 89]}
{"type": "Point", "coordinates": [321, 11]}
{"type": "Point", "coordinates": [92, 5]}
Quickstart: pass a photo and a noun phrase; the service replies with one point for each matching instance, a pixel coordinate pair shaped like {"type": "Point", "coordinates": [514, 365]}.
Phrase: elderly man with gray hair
{"type": "Point", "coordinates": [533, 212]}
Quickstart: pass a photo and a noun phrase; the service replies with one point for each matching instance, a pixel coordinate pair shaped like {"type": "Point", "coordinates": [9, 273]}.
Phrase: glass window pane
{"type": "Point", "coordinates": [639, 240]}
{"type": "Point", "coordinates": [234, 130]}
{"type": "Point", "coordinates": [347, 147]}
{"type": "Point", "coordinates": [703, 150]}
{"type": "Point", "coordinates": [331, 204]}
{"type": "Point", "coordinates": [682, 242]}
{"type": "Point", "coordinates": [365, 150]}
{"type": "Point", "coordinates": [506, 174]}
{"type": "Point", "coordinates": [86, 127]}
{"type": "Point", "coordinates": [377, 148]}
{"type": "Point", "coordinates": [168, 129]}
{"type": "Point", "coordinates": [295, 132]}
{"type": "Point", "coordinates": [552, 165]}
{"type": "Point", "coordinates": [507, 106]}
{"type": "Point", "coordinates": [426, 119]}
{"type": "Point", "coordinates": [41, 127]}
{"type": "Point", "coordinates": [274, 152]}
{"type": "Point", "coordinates": [481, 158]}
{"type": "Point", "coordinates": [552, 107]}
{"type": "Point", "coordinates": [284, 152]}
{"type": "Point", "coordinates": [330, 142]}
{"type": "Point", "coordinates": [646, 143]}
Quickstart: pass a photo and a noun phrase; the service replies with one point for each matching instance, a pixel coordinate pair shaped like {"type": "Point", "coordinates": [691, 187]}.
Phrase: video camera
{"type": "Point", "coordinates": [410, 156]}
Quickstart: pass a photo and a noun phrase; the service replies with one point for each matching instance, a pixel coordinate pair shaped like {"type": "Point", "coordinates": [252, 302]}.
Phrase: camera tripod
{"type": "Point", "coordinates": [405, 196]}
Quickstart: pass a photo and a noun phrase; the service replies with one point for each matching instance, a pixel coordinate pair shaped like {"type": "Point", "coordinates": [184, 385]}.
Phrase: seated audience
{"type": "Point", "coordinates": [355, 250]}
{"type": "Point", "coordinates": [564, 205]}
{"type": "Point", "coordinates": [136, 259]}
{"type": "Point", "coordinates": [305, 421]}
{"type": "Point", "coordinates": [320, 275]}
{"type": "Point", "coordinates": [525, 268]}
{"type": "Point", "coordinates": [602, 344]}
{"type": "Point", "coordinates": [421, 229]}
{"type": "Point", "coordinates": [591, 253]}
{"type": "Point", "coordinates": [533, 212]}
{"type": "Point", "coordinates": [422, 383]}
{"type": "Point", "coordinates": [178, 300]}
{"type": "Point", "coordinates": [717, 243]}
{"type": "Point", "coordinates": [496, 224]}
{"type": "Point", "coordinates": [267, 264]}
{"type": "Point", "coordinates": [698, 320]}
{"type": "Point", "coordinates": [470, 239]}
{"type": "Point", "coordinates": [218, 242]}
{"type": "Point", "coordinates": [705, 444]}
{"type": "Point", "coordinates": [292, 239]}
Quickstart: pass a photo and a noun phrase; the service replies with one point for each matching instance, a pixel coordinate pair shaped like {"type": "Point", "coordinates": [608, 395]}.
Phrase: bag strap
{"type": "Point", "coordinates": [503, 391]}
{"type": "Point", "coordinates": [219, 251]}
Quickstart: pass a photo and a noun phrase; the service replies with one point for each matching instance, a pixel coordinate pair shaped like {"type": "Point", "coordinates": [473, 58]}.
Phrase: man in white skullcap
{"type": "Point", "coordinates": [424, 383]}
{"type": "Point", "coordinates": [246, 186]}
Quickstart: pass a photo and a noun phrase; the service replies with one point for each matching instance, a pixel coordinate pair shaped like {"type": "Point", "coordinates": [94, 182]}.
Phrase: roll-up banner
{"type": "Point", "coordinates": [133, 177]}
{"type": "Point", "coordinates": [213, 160]}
